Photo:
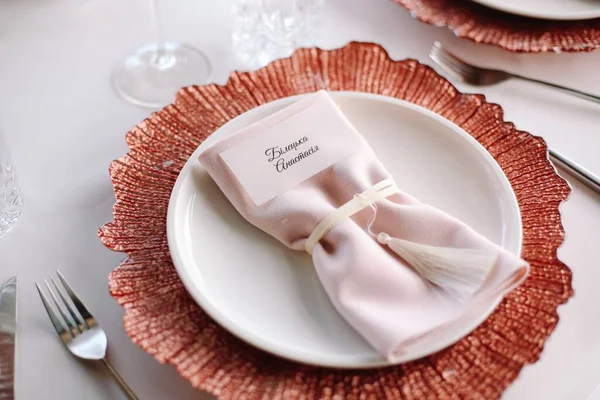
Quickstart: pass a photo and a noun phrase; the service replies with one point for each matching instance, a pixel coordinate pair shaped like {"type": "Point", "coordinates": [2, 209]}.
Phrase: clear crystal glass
{"type": "Point", "coordinates": [11, 202]}
{"type": "Point", "coordinates": [152, 75]}
{"type": "Point", "coordinates": [265, 30]}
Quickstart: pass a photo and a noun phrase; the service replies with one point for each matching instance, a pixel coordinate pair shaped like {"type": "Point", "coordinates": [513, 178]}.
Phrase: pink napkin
{"type": "Point", "coordinates": [380, 294]}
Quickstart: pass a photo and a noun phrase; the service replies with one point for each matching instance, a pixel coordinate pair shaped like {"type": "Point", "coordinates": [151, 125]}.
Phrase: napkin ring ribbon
{"type": "Point", "coordinates": [457, 270]}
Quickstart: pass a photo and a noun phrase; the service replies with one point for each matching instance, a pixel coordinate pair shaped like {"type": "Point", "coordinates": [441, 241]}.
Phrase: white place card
{"type": "Point", "coordinates": [287, 153]}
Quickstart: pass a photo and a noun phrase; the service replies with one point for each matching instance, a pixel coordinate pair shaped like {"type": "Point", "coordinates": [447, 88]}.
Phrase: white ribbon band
{"type": "Point", "coordinates": [361, 201]}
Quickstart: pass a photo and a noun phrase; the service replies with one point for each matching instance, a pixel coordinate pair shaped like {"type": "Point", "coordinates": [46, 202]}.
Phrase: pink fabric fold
{"type": "Point", "coordinates": [375, 290]}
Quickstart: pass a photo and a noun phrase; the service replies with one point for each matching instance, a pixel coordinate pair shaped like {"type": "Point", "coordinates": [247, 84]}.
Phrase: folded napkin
{"type": "Point", "coordinates": [399, 271]}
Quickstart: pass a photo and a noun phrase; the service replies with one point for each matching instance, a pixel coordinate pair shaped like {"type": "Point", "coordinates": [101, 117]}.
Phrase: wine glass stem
{"type": "Point", "coordinates": [156, 20]}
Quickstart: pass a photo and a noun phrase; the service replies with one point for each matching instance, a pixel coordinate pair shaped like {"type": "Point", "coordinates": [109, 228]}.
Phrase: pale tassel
{"type": "Point", "coordinates": [458, 271]}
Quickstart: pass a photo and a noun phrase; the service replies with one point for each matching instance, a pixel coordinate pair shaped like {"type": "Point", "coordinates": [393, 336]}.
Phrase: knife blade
{"type": "Point", "coordinates": [8, 325]}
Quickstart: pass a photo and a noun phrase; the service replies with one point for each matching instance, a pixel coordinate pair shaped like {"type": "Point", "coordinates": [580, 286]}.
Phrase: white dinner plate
{"type": "Point", "coordinates": [269, 295]}
{"type": "Point", "coordinates": [548, 9]}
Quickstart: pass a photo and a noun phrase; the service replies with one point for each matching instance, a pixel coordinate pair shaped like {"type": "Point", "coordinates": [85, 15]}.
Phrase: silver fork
{"type": "Point", "coordinates": [479, 76]}
{"type": "Point", "coordinates": [482, 76]}
{"type": "Point", "coordinates": [82, 335]}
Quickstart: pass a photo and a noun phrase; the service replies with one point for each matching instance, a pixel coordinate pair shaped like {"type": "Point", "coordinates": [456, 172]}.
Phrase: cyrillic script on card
{"type": "Point", "coordinates": [293, 149]}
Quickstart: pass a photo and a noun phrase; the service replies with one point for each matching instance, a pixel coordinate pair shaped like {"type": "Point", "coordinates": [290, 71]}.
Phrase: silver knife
{"type": "Point", "coordinates": [8, 326]}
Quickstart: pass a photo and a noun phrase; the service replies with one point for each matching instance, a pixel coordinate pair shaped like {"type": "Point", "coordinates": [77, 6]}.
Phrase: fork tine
{"type": "Point", "coordinates": [65, 334]}
{"type": "Point", "coordinates": [437, 54]}
{"type": "Point", "coordinates": [89, 320]}
{"type": "Point", "coordinates": [449, 69]}
{"type": "Point", "coordinates": [451, 63]}
{"type": "Point", "coordinates": [76, 319]}
{"type": "Point", "coordinates": [60, 310]}
{"type": "Point", "coordinates": [452, 59]}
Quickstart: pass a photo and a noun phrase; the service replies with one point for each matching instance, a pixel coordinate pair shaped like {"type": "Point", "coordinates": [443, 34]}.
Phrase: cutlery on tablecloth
{"type": "Point", "coordinates": [8, 326]}
{"type": "Point", "coordinates": [82, 335]}
{"type": "Point", "coordinates": [481, 76]}
{"type": "Point", "coordinates": [583, 175]}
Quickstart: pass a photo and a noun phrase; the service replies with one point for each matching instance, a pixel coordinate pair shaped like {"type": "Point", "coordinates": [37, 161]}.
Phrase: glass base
{"type": "Point", "coordinates": [152, 76]}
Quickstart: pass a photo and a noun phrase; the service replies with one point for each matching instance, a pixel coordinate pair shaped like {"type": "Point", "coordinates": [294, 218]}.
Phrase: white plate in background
{"type": "Point", "coordinates": [547, 9]}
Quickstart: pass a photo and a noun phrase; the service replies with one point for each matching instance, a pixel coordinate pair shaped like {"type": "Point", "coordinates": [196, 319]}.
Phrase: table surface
{"type": "Point", "coordinates": [65, 124]}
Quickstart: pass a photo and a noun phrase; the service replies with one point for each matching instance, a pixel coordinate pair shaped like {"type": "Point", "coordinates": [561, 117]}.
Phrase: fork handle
{"type": "Point", "coordinates": [578, 93]}
{"type": "Point", "coordinates": [126, 389]}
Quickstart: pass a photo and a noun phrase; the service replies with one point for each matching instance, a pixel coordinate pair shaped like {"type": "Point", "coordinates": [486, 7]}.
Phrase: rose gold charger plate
{"type": "Point", "coordinates": [163, 319]}
{"type": "Point", "coordinates": [468, 19]}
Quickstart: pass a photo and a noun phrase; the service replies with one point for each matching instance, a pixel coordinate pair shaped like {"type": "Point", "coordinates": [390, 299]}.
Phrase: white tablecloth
{"type": "Point", "coordinates": [65, 125]}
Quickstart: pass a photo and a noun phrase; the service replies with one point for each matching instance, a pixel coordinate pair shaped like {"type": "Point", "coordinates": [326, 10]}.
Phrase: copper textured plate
{"type": "Point", "coordinates": [163, 319]}
{"type": "Point", "coordinates": [468, 19]}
